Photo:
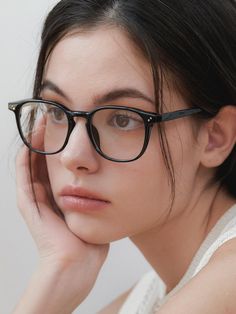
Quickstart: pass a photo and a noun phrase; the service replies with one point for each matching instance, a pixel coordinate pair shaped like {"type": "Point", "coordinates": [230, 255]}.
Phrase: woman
{"type": "Point", "coordinates": [131, 133]}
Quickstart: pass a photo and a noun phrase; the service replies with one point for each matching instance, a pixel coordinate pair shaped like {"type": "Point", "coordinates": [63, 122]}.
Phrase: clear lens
{"type": "Point", "coordinates": [119, 133]}
{"type": "Point", "coordinates": [44, 126]}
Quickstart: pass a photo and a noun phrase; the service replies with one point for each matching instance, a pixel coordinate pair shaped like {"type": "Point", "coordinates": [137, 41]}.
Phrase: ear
{"type": "Point", "coordinates": [220, 137]}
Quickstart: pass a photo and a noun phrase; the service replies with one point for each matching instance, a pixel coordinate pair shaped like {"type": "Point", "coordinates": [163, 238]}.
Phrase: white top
{"type": "Point", "coordinates": [150, 291]}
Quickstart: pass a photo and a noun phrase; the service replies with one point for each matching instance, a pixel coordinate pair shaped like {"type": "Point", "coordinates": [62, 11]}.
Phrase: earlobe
{"type": "Point", "coordinates": [220, 137]}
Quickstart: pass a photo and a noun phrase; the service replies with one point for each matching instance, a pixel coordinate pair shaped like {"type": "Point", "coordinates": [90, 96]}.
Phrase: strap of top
{"type": "Point", "coordinates": [149, 289]}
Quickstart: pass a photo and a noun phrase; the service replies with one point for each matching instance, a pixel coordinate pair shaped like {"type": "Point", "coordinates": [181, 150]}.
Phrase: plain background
{"type": "Point", "coordinates": [20, 25]}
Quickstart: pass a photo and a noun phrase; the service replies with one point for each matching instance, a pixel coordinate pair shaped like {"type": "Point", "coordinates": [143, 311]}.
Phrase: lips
{"type": "Point", "coordinates": [80, 199]}
{"type": "Point", "coordinates": [81, 192]}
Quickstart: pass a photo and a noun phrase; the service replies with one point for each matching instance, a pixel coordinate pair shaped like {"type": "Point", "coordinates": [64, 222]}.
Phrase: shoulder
{"type": "Point", "coordinates": [226, 250]}
{"type": "Point", "coordinates": [217, 280]}
{"type": "Point", "coordinates": [212, 290]}
{"type": "Point", "coordinates": [220, 277]}
{"type": "Point", "coordinates": [116, 304]}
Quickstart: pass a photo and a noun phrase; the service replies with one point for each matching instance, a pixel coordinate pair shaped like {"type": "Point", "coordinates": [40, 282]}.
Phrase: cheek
{"type": "Point", "coordinates": [185, 154]}
{"type": "Point", "coordinates": [147, 198]}
{"type": "Point", "coordinates": [141, 196]}
{"type": "Point", "coordinates": [53, 168]}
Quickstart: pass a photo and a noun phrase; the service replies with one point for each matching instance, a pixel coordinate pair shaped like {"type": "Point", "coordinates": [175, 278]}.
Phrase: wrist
{"type": "Point", "coordinates": [53, 288]}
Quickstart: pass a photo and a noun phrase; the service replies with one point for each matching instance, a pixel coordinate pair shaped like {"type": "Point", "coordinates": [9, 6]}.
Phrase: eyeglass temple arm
{"type": "Point", "coordinates": [178, 114]}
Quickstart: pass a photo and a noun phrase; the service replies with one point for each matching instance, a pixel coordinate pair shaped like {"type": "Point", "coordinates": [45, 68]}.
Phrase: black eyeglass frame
{"type": "Point", "coordinates": [149, 119]}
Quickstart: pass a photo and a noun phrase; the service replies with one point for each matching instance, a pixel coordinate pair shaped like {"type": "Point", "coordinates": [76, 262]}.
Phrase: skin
{"type": "Point", "coordinates": [138, 193]}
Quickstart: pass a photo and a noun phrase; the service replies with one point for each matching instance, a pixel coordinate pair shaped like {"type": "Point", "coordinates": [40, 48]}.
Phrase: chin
{"type": "Point", "coordinates": [90, 231]}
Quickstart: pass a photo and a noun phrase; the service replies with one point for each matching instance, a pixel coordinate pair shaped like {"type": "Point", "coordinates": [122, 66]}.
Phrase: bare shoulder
{"type": "Point", "coordinates": [225, 251]}
{"type": "Point", "coordinates": [212, 290]}
{"type": "Point", "coordinates": [116, 304]}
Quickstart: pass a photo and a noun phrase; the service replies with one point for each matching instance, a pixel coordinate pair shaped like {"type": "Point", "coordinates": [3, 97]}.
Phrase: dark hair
{"type": "Point", "coordinates": [194, 40]}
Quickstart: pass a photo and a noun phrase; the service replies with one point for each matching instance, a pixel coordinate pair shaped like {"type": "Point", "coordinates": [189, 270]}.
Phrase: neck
{"type": "Point", "coordinates": [171, 247]}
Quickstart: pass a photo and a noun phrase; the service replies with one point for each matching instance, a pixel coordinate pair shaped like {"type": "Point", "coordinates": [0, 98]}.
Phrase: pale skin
{"type": "Point", "coordinates": [77, 247]}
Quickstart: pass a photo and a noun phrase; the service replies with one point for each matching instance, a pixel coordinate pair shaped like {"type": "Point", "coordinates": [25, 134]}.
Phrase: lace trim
{"type": "Point", "coordinates": [142, 309]}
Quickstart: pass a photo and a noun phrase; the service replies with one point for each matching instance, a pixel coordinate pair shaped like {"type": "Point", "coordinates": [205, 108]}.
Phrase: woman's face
{"type": "Point", "coordinates": [104, 201]}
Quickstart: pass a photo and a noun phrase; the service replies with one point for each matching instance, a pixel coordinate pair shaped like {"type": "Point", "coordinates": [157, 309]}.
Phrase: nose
{"type": "Point", "coordinates": [79, 153]}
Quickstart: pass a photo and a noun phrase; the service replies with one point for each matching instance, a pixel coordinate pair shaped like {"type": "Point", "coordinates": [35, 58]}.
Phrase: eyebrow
{"type": "Point", "coordinates": [100, 100]}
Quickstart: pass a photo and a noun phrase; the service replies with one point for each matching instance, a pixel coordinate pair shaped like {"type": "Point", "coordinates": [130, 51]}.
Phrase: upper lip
{"type": "Point", "coordinates": [71, 190]}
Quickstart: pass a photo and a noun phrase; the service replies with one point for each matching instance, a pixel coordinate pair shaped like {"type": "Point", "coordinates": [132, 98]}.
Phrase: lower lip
{"type": "Point", "coordinates": [81, 204]}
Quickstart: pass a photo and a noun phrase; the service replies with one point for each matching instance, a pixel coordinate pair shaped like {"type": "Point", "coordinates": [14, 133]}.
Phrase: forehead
{"type": "Point", "coordinates": [98, 59]}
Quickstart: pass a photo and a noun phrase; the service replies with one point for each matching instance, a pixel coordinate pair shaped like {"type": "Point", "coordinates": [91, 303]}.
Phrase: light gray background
{"type": "Point", "coordinates": [20, 25]}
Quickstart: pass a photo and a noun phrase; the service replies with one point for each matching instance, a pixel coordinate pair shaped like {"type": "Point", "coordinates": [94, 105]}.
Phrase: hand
{"type": "Point", "coordinates": [58, 247]}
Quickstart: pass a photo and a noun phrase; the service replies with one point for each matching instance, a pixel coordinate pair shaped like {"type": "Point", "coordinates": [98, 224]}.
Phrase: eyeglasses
{"type": "Point", "coordinates": [117, 133]}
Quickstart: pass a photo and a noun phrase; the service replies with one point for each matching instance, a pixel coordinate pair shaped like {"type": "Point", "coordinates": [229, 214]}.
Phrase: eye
{"type": "Point", "coordinates": [126, 120]}
{"type": "Point", "coordinates": [57, 115]}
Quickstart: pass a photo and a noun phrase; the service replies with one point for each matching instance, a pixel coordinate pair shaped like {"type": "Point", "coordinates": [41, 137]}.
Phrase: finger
{"type": "Point", "coordinates": [25, 195]}
{"type": "Point", "coordinates": [41, 183]}
{"type": "Point", "coordinates": [35, 130]}
{"type": "Point", "coordinates": [34, 133]}
{"type": "Point", "coordinates": [36, 140]}
{"type": "Point", "coordinates": [32, 196]}
{"type": "Point", "coordinates": [38, 166]}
